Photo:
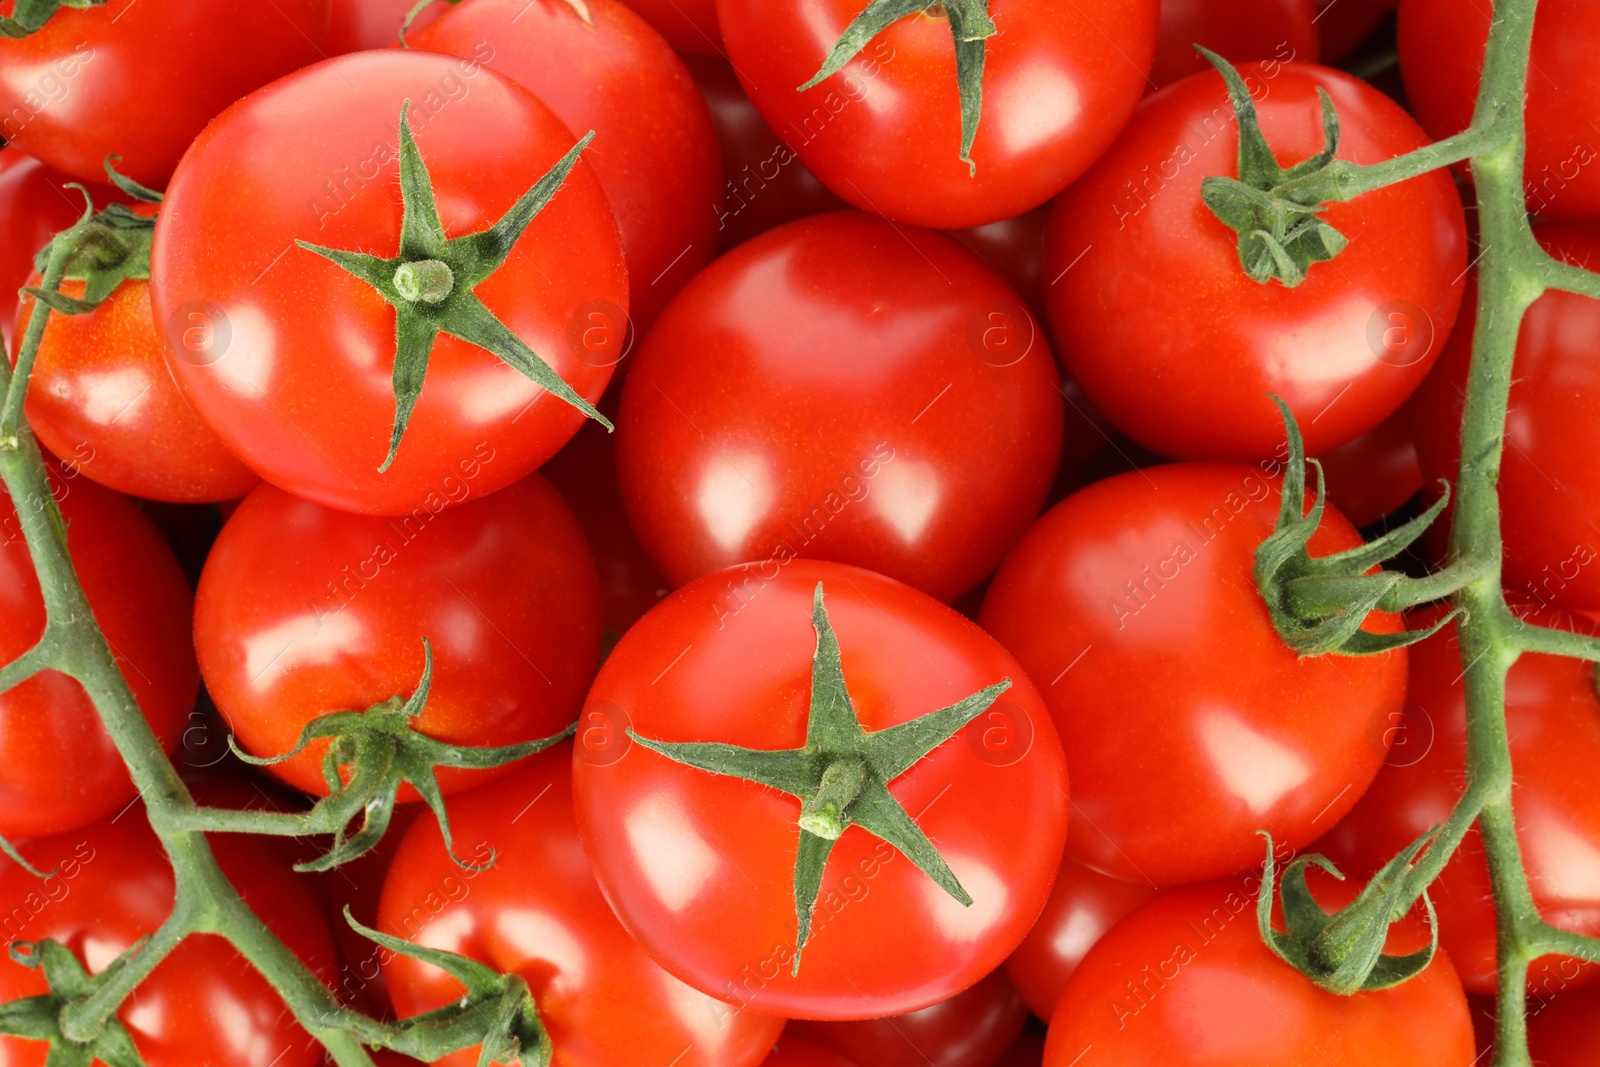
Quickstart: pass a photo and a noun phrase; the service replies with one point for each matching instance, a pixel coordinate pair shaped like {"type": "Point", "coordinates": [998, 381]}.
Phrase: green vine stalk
{"type": "Point", "coordinates": [1513, 271]}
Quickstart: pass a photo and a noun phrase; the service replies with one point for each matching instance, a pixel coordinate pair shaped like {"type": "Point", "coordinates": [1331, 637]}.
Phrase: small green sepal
{"type": "Point", "coordinates": [102, 249]}
{"type": "Point", "coordinates": [142, 193]}
{"type": "Point", "coordinates": [39, 1017]}
{"type": "Point", "coordinates": [29, 16]}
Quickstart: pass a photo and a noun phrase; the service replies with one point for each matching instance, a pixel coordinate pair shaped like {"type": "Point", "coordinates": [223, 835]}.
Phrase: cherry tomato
{"type": "Point", "coordinates": [34, 206]}
{"type": "Point", "coordinates": [701, 867]}
{"type": "Point", "coordinates": [1375, 474]}
{"type": "Point", "coordinates": [1186, 981]}
{"type": "Point", "coordinates": [142, 79]}
{"type": "Point", "coordinates": [688, 25]}
{"type": "Point", "coordinates": [1132, 604]}
{"type": "Point", "coordinates": [1238, 31]}
{"type": "Point", "coordinates": [1566, 1032]}
{"type": "Point", "coordinates": [1553, 721]}
{"type": "Point", "coordinates": [1549, 487]}
{"type": "Point", "coordinates": [303, 611]}
{"type": "Point", "coordinates": [1158, 322]}
{"type": "Point", "coordinates": [359, 25]}
{"type": "Point", "coordinates": [1059, 82]}
{"type": "Point", "coordinates": [765, 184]}
{"type": "Point", "coordinates": [537, 912]}
{"type": "Point", "coordinates": [1441, 56]}
{"type": "Point", "coordinates": [1083, 905]}
{"type": "Point", "coordinates": [843, 389]}
{"type": "Point", "coordinates": [62, 769]}
{"type": "Point", "coordinates": [203, 1004]}
{"type": "Point", "coordinates": [971, 1029]}
{"type": "Point", "coordinates": [289, 358]}
{"type": "Point", "coordinates": [655, 150]}
{"type": "Point", "coordinates": [797, 1052]}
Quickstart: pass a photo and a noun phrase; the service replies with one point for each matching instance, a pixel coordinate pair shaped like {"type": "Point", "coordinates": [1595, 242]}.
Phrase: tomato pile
{"type": "Point", "coordinates": [778, 534]}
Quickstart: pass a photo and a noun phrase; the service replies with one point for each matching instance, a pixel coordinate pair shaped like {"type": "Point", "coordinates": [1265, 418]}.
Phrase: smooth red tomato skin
{"type": "Point", "coordinates": [538, 913]}
{"type": "Point", "coordinates": [1254, 29]}
{"type": "Point", "coordinates": [1375, 474]}
{"type": "Point", "coordinates": [700, 867]}
{"type": "Point", "coordinates": [971, 1029]}
{"type": "Point", "coordinates": [142, 79]}
{"type": "Point", "coordinates": [1083, 905]}
{"type": "Point", "coordinates": [62, 769]}
{"type": "Point", "coordinates": [1028, 1051]}
{"type": "Point", "coordinates": [826, 391]}
{"type": "Point", "coordinates": [203, 1003]}
{"type": "Point", "coordinates": [1549, 484]}
{"type": "Point", "coordinates": [1158, 322]}
{"type": "Point", "coordinates": [297, 379]}
{"type": "Point", "coordinates": [654, 151]}
{"type": "Point", "coordinates": [1345, 25]}
{"type": "Point", "coordinates": [34, 206]}
{"type": "Point", "coordinates": [885, 133]}
{"type": "Point", "coordinates": [1186, 981]}
{"type": "Point", "coordinates": [1553, 721]}
{"type": "Point", "coordinates": [688, 25]}
{"type": "Point", "coordinates": [1566, 1031]}
{"type": "Point", "coordinates": [359, 25]}
{"type": "Point", "coordinates": [303, 611]}
{"type": "Point", "coordinates": [100, 397]}
{"type": "Point", "coordinates": [1133, 606]}
{"type": "Point", "coordinates": [1442, 45]}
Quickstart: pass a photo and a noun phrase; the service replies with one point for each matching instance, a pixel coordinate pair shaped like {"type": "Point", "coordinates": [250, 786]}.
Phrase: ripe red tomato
{"type": "Point", "coordinates": [1553, 720]}
{"type": "Point", "coordinates": [797, 1052]}
{"type": "Point", "coordinates": [655, 150]}
{"type": "Point", "coordinates": [359, 25]}
{"type": "Point", "coordinates": [1083, 905]}
{"type": "Point", "coordinates": [1158, 322]}
{"type": "Point", "coordinates": [203, 1003]}
{"type": "Point", "coordinates": [1186, 981]}
{"type": "Point", "coordinates": [1375, 474]}
{"type": "Point", "coordinates": [1566, 1032]}
{"type": "Point", "coordinates": [885, 132]}
{"type": "Point", "coordinates": [1549, 485]}
{"type": "Point", "coordinates": [688, 25]}
{"type": "Point", "coordinates": [303, 611]}
{"type": "Point", "coordinates": [701, 867]}
{"type": "Point", "coordinates": [538, 913]}
{"type": "Point", "coordinates": [1191, 724]}
{"type": "Point", "coordinates": [358, 885]}
{"type": "Point", "coordinates": [110, 78]}
{"type": "Point", "coordinates": [1238, 31]}
{"type": "Point", "coordinates": [289, 358]}
{"type": "Point", "coordinates": [971, 1029]}
{"type": "Point", "coordinates": [1441, 56]}
{"type": "Point", "coordinates": [62, 769]}
{"type": "Point", "coordinates": [34, 206]}
{"type": "Point", "coordinates": [843, 389]}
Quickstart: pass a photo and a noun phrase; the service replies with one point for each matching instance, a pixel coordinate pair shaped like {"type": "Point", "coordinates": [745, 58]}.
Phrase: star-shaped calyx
{"type": "Point", "coordinates": [841, 774]}
{"type": "Point", "coordinates": [430, 283]}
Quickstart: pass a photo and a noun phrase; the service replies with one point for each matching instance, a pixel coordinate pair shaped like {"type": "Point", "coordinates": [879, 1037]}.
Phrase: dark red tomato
{"type": "Point", "coordinates": [700, 867]}
{"type": "Point", "coordinates": [1059, 82]}
{"type": "Point", "coordinates": [764, 182]}
{"type": "Point", "coordinates": [303, 611]}
{"type": "Point", "coordinates": [1083, 905]}
{"type": "Point", "coordinates": [654, 151]}
{"type": "Point", "coordinates": [289, 358]}
{"type": "Point", "coordinates": [101, 397]}
{"type": "Point", "coordinates": [358, 885]}
{"type": "Point", "coordinates": [1553, 720]}
{"type": "Point", "coordinates": [62, 769]}
{"type": "Point", "coordinates": [1158, 322]}
{"type": "Point", "coordinates": [1027, 1051]}
{"type": "Point", "coordinates": [1549, 484]}
{"type": "Point", "coordinates": [1373, 475]}
{"type": "Point", "coordinates": [1566, 1031]}
{"type": "Point", "coordinates": [971, 1029]}
{"type": "Point", "coordinates": [136, 79]}
{"type": "Point", "coordinates": [688, 25]}
{"type": "Point", "coordinates": [797, 1052]}
{"type": "Point", "coordinates": [1345, 25]}
{"type": "Point", "coordinates": [844, 389]}
{"type": "Point", "coordinates": [1186, 981]}
{"type": "Point", "coordinates": [357, 25]}
{"type": "Point", "coordinates": [1441, 55]}
{"type": "Point", "coordinates": [1238, 31]}
{"type": "Point", "coordinates": [203, 1004]}
{"type": "Point", "coordinates": [538, 913]}
{"type": "Point", "coordinates": [1132, 604]}
{"type": "Point", "coordinates": [34, 206]}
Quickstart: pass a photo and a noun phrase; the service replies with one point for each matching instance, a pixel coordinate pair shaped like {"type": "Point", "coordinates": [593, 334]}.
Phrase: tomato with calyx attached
{"type": "Point", "coordinates": [903, 883]}
{"type": "Point", "coordinates": [537, 912]}
{"type": "Point", "coordinates": [1442, 44]}
{"type": "Point", "coordinates": [62, 769]}
{"type": "Point", "coordinates": [600, 67]}
{"type": "Point", "coordinates": [1186, 981]}
{"type": "Point", "coordinates": [844, 389]}
{"type": "Point", "coordinates": [1157, 320]}
{"type": "Point", "coordinates": [34, 206]}
{"type": "Point", "coordinates": [1133, 604]}
{"type": "Point", "coordinates": [303, 611]}
{"type": "Point", "coordinates": [886, 131]}
{"type": "Point", "coordinates": [142, 79]}
{"type": "Point", "coordinates": [1566, 1032]}
{"type": "Point", "coordinates": [1238, 30]}
{"type": "Point", "coordinates": [299, 345]}
{"type": "Point", "coordinates": [111, 884]}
